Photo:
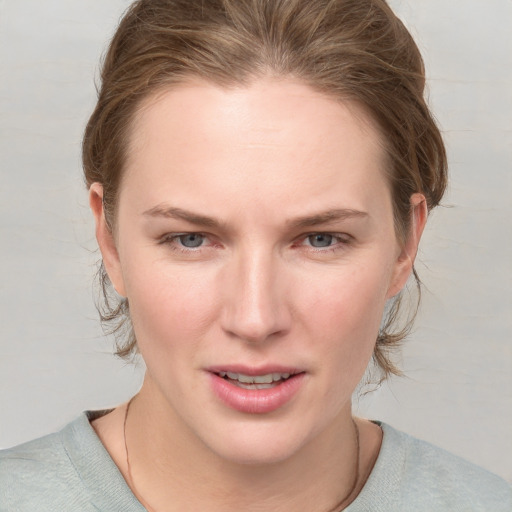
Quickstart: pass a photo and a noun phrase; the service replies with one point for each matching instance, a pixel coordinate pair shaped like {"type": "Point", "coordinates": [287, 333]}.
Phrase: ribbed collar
{"type": "Point", "coordinates": [100, 476]}
{"type": "Point", "coordinates": [386, 474]}
{"type": "Point", "coordinates": [109, 491]}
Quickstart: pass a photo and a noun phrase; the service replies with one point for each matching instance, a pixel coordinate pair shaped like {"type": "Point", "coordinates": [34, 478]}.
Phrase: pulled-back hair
{"type": "Point", "coordinates": [351, 50]}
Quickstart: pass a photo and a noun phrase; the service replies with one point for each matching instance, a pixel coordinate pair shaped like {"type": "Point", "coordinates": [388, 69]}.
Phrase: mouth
{"type": "Point", "coordinates": [266, 381]}
{"type": "Point", "coordinates": [256, 390]}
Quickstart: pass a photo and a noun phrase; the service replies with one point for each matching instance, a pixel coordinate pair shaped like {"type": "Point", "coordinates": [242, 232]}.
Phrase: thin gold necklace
{"type": "Point", "coordinates": [338, 508]}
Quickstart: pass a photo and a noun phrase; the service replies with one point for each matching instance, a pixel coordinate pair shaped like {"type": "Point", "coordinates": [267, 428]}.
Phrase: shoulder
{"type": "Point", "coordinates": [424, 477]}
{"type": "Point", "coordinates": [42, 475]}
{"type": "Point", "coordinates": [37, 474]}
{"type": "Point", "coordinates": [69, 470]}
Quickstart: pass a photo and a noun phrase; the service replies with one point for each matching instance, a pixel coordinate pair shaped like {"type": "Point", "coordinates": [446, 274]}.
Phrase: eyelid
{"type": "Point", "coordinates": [336, 235]}
{"type": "Point", "coordinates": [341, 240]}
{"type": "Point", "coordinates": [170, 238]}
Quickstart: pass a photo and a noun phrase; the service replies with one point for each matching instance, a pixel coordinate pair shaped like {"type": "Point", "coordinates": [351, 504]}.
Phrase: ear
{"type": "Point", "coordinates": [105, 239]}
{"type": "Point", "coordinates": [405, 261]}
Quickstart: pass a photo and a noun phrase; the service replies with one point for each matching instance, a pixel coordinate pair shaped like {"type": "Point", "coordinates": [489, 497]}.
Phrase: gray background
{"type": "Point", "coordinates": [54, 361]}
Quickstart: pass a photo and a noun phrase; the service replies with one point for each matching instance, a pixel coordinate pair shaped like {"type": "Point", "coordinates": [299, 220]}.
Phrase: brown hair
{"type": "Point", "coordinates": [349, 49]}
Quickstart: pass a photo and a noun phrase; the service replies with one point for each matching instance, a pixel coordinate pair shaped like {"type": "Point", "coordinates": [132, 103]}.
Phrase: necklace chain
{"type": "Point", "coordinates": [338, 508]}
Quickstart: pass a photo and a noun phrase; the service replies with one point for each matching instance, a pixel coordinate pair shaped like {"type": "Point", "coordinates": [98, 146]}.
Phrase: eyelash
{"type": "Point", "coordinates": [171, 240]}
{"type": "Point", "coordinates": [341, 241]}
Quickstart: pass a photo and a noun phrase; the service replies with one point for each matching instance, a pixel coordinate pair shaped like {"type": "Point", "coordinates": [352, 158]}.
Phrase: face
{"type": "Point", "coordinates": [255, 243]}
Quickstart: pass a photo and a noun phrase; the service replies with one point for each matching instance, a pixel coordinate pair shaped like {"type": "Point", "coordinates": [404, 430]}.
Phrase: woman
{"type": "Point", "coordinates": [260, 174]}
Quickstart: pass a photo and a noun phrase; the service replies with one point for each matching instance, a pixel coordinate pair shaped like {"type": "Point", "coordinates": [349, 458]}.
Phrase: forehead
{"type": "Point", "coordinates": [230, 140]}
{"type": "Point", "coordinates": [264, 108]}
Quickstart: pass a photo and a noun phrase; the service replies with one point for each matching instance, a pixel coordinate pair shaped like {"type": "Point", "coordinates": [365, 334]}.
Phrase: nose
{"type": "Point", "coordinates": [255, 302]}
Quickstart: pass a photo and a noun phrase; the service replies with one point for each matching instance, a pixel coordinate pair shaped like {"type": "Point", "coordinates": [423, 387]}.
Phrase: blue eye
{"type": "Point", "coordinates": [191, 240]}
{"type": "Point", "coordinates": [321, 240]}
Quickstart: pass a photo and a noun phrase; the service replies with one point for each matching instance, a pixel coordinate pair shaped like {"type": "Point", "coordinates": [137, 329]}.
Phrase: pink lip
{"type": "Point", "coordinates": [255, 401]}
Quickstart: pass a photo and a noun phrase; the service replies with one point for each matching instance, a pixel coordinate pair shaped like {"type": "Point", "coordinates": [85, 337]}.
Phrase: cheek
{"type": "Point", "coordinates": [352, 296]}
{"type": "Point", "coordinates": [341, 316]}
{"type": "Point", "coordinates": [343, 313]}
{"type": "Point", "coordinates": [168, 305]}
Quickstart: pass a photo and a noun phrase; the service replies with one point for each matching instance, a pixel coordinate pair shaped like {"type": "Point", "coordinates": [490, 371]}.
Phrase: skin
{"type": "Point", "coordinates": [260, 171]}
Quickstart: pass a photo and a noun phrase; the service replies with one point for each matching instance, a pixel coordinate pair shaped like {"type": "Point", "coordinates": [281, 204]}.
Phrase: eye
{"type": "Point", "coordinates": [191, 240]}
{"type": "Point", "coordinates": [185, 242]}
{"type": "Point", "coordinates": [320, 240]}
{"type": "Point", "coordinates": [325, 242]}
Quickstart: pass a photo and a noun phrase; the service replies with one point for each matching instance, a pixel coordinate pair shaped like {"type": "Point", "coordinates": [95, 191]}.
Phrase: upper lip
{"type": "Point", "coordinates": [254, 370]}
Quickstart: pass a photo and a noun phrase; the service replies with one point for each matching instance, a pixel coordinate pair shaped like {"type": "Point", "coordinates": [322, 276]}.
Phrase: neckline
{"type": "Point", "coordinates": [98, 472]}
{"type": "Point", "coordinates": [109, 490]}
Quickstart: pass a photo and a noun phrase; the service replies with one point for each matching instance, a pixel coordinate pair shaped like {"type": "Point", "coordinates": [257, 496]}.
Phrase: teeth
{"type": "Point", "coordinates": [255, 379]}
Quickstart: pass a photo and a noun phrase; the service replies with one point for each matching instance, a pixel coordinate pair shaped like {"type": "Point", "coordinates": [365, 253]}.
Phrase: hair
{"type": "Point", "coordinates": [351, 50]}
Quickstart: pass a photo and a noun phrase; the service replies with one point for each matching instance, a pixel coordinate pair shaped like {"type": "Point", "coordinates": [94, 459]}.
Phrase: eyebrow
{"type": "Point", "coordinates": [329, 216]}
{"type": "Point", "coordinates": [170, 212]}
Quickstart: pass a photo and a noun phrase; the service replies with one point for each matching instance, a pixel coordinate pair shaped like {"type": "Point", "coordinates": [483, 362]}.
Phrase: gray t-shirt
{"type": "Point", "coordinates": [71, 471]}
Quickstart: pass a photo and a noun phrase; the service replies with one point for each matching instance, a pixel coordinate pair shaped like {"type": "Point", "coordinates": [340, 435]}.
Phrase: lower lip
{"type": "Point", "coordinates": [256, 401]}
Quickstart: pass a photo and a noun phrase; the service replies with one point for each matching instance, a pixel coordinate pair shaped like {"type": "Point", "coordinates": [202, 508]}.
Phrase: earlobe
{"type": "Point", "coordinates": [405, 261]}
{"type": "Point", "coordinates": [105, 239]}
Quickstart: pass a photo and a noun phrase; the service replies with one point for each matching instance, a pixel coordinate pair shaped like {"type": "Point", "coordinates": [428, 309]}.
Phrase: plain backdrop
{"type": "Point", "coordinates": [54, 361]}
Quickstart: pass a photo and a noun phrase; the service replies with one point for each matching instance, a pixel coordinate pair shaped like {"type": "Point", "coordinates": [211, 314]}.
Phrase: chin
{"type": "Point", "coordinates": [260, 442]}
{"type": "Point", "coordinates": [257, 453]}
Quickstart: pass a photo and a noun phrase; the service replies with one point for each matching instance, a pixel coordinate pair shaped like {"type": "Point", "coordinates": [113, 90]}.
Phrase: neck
{"type": "Point", "coordinates": [166, 463]}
